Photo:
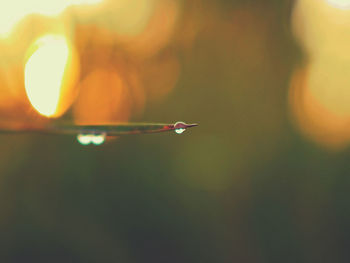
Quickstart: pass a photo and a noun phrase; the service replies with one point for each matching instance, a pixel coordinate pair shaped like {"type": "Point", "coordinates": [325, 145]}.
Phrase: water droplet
{"type": "Point", "coordinates": [180, 127]}
{"type": "Point", "coordinates": [84, 139]}
{"type": "Point", "coordinates": [96, 139]}
{"type": "Point", "coordinates": [180, 130]}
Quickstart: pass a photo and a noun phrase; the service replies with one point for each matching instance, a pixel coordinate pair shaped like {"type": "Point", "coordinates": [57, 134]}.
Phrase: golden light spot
{"type": "Point", "coordinates": [11, 12]}
{"type": "Point", "coordinates": [320, 92]}
{"type": "Point", "coordinates": [48, 74]}
{"type": "Point", "coordinates": [342, 4]}
{"type": "Point", "coordinates": [318, 119]}
{"type": "Point", "coordinates": [321, 29]}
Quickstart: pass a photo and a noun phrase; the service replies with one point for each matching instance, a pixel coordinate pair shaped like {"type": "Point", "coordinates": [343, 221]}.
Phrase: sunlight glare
{"type": "Point", "coordinates": [44, 72]}
{"type": "Point", "coordinates": [342, 4]}
{"type": "Point", "coordinates": [319, 90]}
{"type": "Point", "coordinates": [11, 12]}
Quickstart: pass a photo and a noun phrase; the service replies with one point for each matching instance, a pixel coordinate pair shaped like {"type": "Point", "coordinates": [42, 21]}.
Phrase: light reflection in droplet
{"type": "Point", "coordinates": [96, 139]}
{"type": "Point", "coordinates": [84, 139]}
{"type": "Point", "coordinates": [180, 127]}
{"type": "Point", "coordinates": [179, 131]}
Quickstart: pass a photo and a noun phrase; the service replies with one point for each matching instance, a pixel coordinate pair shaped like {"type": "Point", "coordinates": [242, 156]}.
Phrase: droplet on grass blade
{"type": "Point", "coordinates": [96, 134]}
{"type": "Point", "coordinates": [180, 127]}
{"type": "Point", "coordinates": [84, 139]}
{"type": "Point", "coordinates": [96, 139]}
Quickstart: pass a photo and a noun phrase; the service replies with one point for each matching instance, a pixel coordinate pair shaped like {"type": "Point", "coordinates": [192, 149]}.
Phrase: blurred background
{"type": "Point", "coordinates": [265, 176]}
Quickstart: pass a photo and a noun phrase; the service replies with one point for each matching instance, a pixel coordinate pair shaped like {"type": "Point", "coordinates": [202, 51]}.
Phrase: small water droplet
{"type": "Point", "coordinates": [180, 127]}
{"type": "Point", "coordinates": [98, 139]}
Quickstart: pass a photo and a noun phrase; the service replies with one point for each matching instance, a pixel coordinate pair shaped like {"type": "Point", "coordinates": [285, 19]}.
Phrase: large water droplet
{"type": "Point", "coordinates": [180, 127]}
{"type": "Point", "coordinates": [86, 139]}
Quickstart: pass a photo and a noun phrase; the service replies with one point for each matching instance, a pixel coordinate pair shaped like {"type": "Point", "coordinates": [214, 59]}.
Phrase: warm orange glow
{"type": "Point", "coordinates": [328, 81]}
{"type": "Point", "coordinates": [129, 17]}
{"type": "Point", "coordinates": [160, 76]}
{"type": "Point", "coordinates": [143, 30]}
{"type": "Point", "coordinates": [123, 56]}
{"type": "Point", "coordinates": [103, 98]}
{"type": "Point", "coordinates": [45, 73]}
{"type": "Point", "coordinates": [320, 92]}
{"type": "Point", "coordinates": [318, 121]}
{"type": "Point", "coordinates": [158, 31]}
{"type": "Point", "coordinates": [322, 29]}
{"type": "Point", "coordinates": [11, 12]}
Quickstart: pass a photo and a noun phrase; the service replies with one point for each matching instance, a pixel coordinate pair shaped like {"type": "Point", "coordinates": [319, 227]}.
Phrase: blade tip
{"type": "Point", "coordinates": [192, 125]}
